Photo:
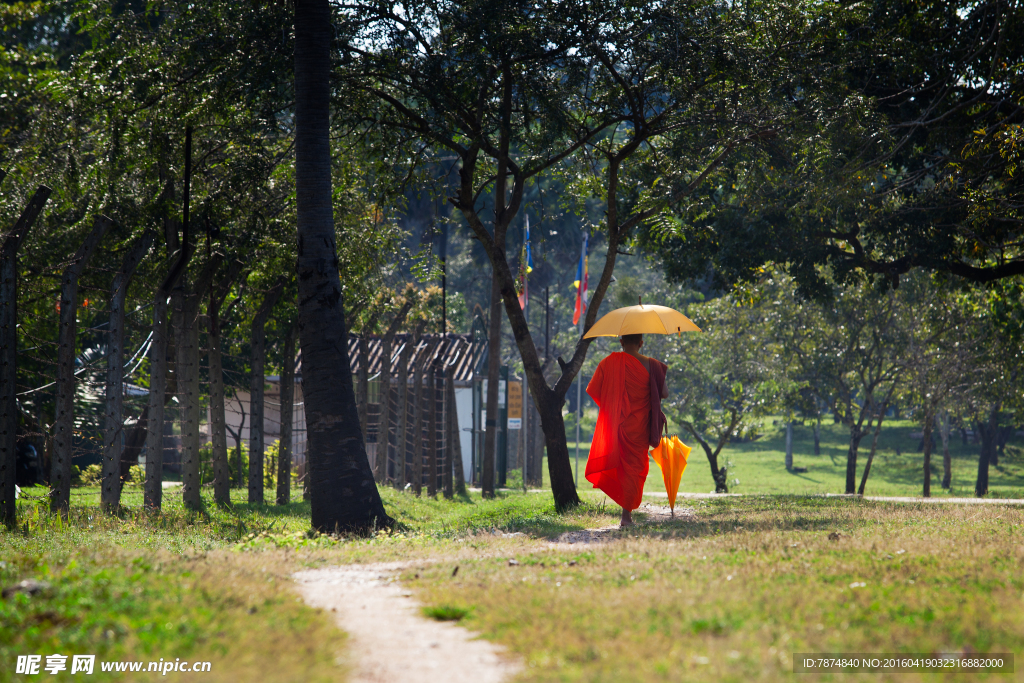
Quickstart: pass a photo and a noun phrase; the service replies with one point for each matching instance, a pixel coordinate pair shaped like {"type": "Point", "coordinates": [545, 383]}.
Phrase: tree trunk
{"type": "Point", "coordinates": [536, 443]}
{"type": "Point", "coordinates": [559, 465]}
{"type": "Point", "coordinates": [237, 477]}
{"type": "Point", "coordinates": [947, 461]}
{"type": "Point", "coordinates": [64, 422]}
{"type": "Point", "coordinates": [343, 494]}
{"type": "Point", "coordinates": [817, 436]}
{"type": "Point", "coordinates": [927, 434]}
{"type": "Point", "coordinates": [218, 422]}
{"type": "Point", "coordinates": [256, 382]}
{"type": "Point", "coordinates": [851, 459]}
{"type": "Point", "coordinates": [155, 408]}
{"type": "Point", "coordinates": [187, 371]}
{"type": "Point", "coordinates": [432, 432]}
{"type": "Point", "coordinates": [789, 445]}
{"type": "Point", "coordinates": [493, 377]}
{"type": "Point", "coordinates": [284, 458]}
{"type": "Point", "coordinates": [987, 431]}
{"type": "Point", "coordinates": [871, 454]}
{"type": "Point", "coordinates": [9, 352]}
{"type": "Point", "coordinates": [113, 437]}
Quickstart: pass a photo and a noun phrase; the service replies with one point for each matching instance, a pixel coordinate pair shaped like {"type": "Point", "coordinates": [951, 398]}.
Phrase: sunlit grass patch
{"type": "Point", "coordinates": [734, 593]}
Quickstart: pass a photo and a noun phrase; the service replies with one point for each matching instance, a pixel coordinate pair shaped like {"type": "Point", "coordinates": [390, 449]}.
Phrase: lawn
{"type": "Point", "coordinates": [898, 468]}
{"type": "Point", "coordinates": [729, 594]}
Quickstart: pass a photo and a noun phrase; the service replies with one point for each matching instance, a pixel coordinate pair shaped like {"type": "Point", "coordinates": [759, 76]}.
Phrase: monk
{"type": "Point", "coordinates": [628, 388]}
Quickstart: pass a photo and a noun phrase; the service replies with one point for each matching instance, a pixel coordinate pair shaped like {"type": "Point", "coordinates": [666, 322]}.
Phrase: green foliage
{"type": "Point", "coordinates": [447, 612]}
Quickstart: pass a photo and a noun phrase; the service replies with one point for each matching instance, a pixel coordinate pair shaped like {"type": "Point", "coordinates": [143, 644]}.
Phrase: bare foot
{"type": "Point", "coordinates": [627, 519]}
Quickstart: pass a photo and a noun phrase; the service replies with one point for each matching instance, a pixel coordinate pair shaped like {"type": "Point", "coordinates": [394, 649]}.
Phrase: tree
{"type": "Point", "coordinates": [343, 493]}
{"type": "Point", "coordinates": [635, 104]}
{"type": "Point", "coordinates": [848, 350]}
{"type": "Point", "coordinates": [726, 378]}
{"type": "Point", "coordinates": [919, 167]}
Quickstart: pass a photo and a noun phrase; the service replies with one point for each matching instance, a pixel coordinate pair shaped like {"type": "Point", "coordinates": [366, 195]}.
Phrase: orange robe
{"type": "Point", "coordinates": [618, 461]}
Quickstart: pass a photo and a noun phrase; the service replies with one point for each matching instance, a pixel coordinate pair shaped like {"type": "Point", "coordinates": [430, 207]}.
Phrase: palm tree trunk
{"type": "Point", "coordinates": [343, 494]}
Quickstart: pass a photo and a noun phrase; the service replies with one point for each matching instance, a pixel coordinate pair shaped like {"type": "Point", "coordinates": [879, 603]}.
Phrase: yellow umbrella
{"type": "Point", "coordinates": [671, 455]}
{"type": "Point", "coordinates": [641, 319]}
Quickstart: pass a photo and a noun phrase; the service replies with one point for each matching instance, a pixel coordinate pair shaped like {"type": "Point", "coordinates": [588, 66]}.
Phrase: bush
{"type": "Point", "coordinates": [136, 477]}
{"type": "Point", "coordinates": [90, 476]}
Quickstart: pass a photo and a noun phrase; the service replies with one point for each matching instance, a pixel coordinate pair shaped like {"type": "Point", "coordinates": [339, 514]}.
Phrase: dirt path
{"type": "Point", "coordinates": [391, 642]}
{"type": "Point", "coordinates": [649, 515]}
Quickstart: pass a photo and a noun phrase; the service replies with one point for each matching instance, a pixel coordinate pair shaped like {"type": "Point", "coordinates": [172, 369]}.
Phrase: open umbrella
{"type": "Point", "coordinates": [671, 455]}
{"type": "Point", "coordinates": [641, 319]}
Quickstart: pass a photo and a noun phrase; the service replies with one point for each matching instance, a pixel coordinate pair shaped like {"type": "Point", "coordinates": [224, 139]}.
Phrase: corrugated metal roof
{"type": "Point", "coordinates": [456, 350]}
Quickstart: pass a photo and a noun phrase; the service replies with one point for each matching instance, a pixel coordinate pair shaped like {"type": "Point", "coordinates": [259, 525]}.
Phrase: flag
{"type": "Point", "coordinates": [525, 267]}
{"type": "Point", "coordinates": [582, 273]}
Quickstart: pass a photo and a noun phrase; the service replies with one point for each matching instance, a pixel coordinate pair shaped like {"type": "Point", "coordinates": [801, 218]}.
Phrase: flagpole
{"type": "Point", "coordinates": [579, 387]}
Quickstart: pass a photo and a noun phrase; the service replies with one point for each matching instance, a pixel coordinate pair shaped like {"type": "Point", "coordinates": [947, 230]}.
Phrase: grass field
{"type": "Point", "coordinates": [729, 594]}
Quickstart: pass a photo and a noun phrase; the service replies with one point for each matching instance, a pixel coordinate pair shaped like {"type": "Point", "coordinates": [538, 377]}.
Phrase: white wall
{"type": "Point", "coordinates": [464, 410]}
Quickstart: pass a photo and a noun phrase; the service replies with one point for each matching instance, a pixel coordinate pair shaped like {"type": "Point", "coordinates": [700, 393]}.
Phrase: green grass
{"type": "Point", "coordinates": [733, 594]}
{"type": "Point", "coordinates": [446, 612]}
{"type": "Point", "coordinates": [898, 468]}
{"type": "Point", "coordinates": [729, 594]}
{"type": "Point", "coordinates": [144, 587]}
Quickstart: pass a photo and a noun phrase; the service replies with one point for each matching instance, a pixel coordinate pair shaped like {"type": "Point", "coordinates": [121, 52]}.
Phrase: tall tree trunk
{"type": "Point", "coordinates": [927, 434]}
{"type": "Point", "coordinates": [789, 445]}
{"type": "Point", "coordinates": [113, 437]}
{"type": "Point", "coordinates": [284, 457]}
{"type": "Point", "coordinates": [871, 454]}
{"type": "Point", "coordinates": [162, 349]}
{"type": "Point", "coordinates": [187, 370]}
{"type": "Point", "coordinates": [493, 377]}
{"type": "Point", "coordinates": [987, 431]}
{"type": "Point", "coordinates": [218, 422]}
{"type": "Point", "coordinates": [387, 410]}
{"type": "Point", "coordinates": [947, 460]}
{"type": "Point", "coordinates": [851, 459]}
{"type": "Point", "coordinates": [432, 431]}
{"type": "Point", "coordinates": [9, 352]}
{"type": "Point", "coordinates": [256, 382]}
{"type": "Point", "coordinates": [64, 422]}
{"type": "Point", "coordinates": [155, 408]}
{"type": "Point", "coordinates": [343, 494]}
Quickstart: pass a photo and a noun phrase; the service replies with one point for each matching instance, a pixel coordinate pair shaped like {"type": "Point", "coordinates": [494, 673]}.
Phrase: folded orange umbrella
{"type": "Point", "coordinates": [671, 455]}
